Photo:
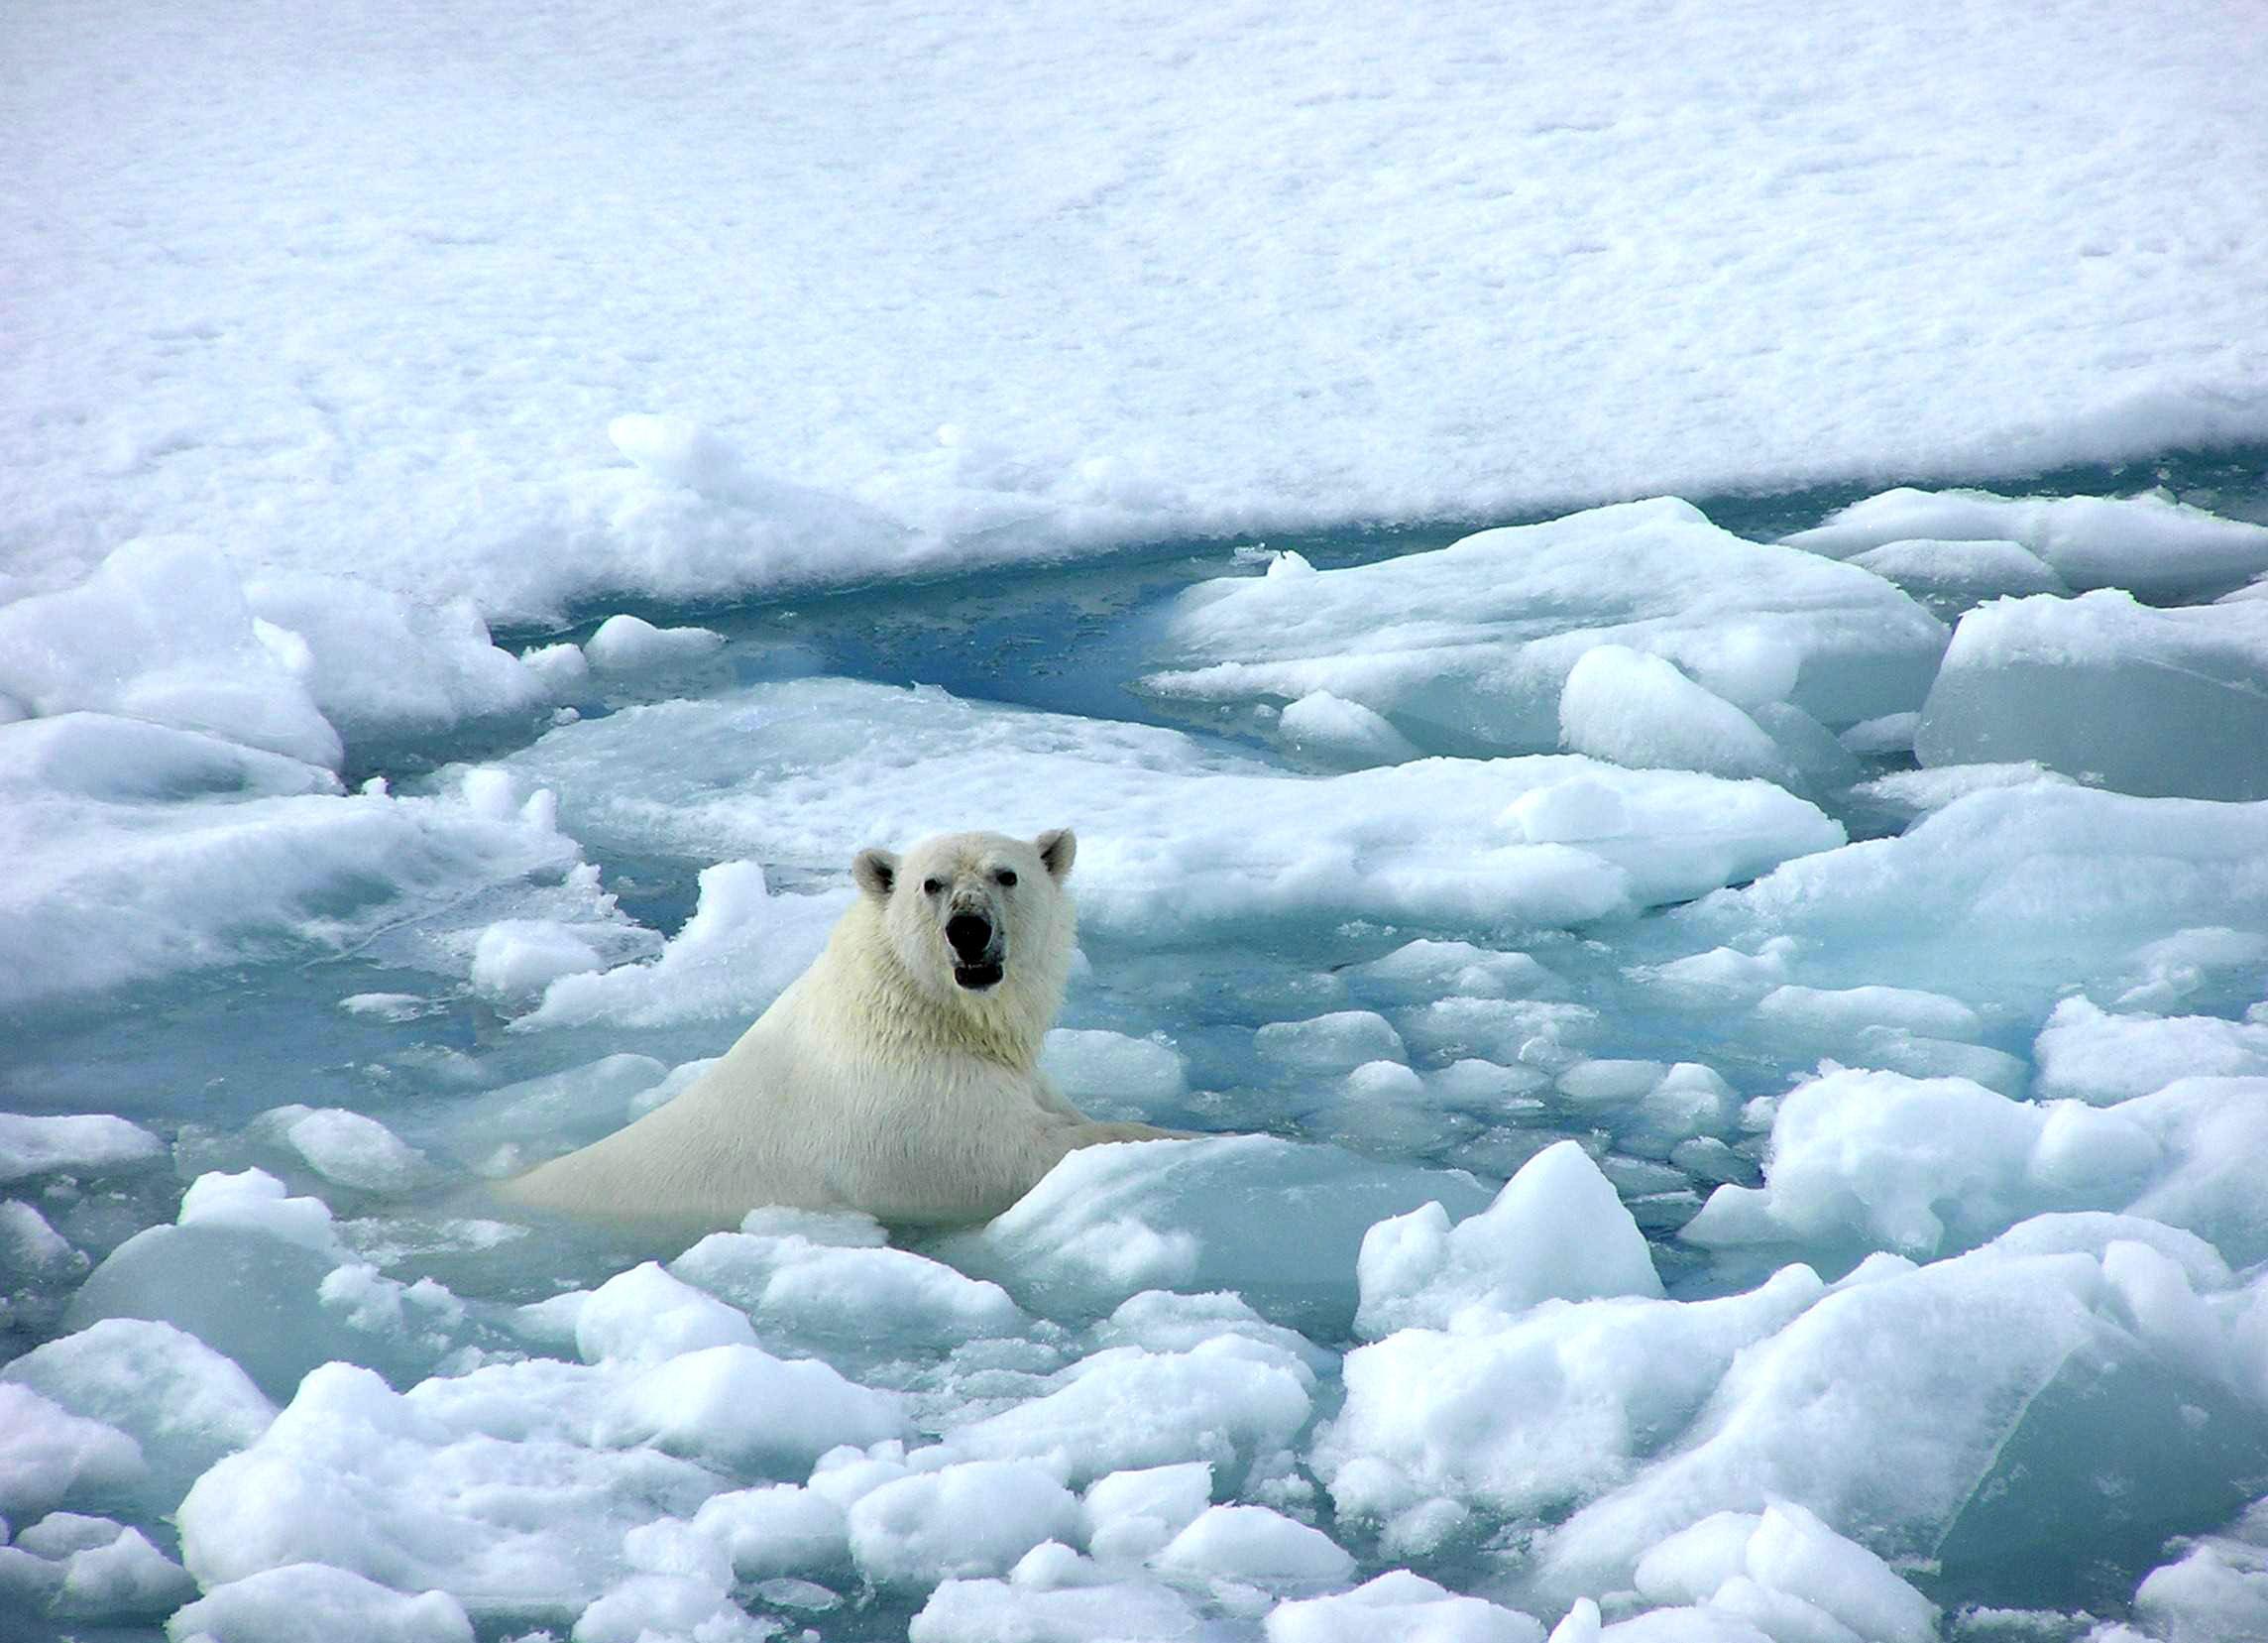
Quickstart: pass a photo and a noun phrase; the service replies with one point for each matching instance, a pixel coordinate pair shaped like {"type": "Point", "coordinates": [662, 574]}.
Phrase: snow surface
{"type": "Point", "coordinates": [1726, 1079]}
{"type": "Point", "coordinates": [534, 304]}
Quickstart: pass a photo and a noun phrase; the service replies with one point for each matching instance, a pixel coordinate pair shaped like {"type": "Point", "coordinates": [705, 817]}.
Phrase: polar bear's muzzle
{"type": "Point", "coordinates": [977, 951]}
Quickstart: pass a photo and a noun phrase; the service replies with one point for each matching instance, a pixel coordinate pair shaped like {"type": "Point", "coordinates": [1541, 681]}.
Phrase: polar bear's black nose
{"type": "Point", "coordinates": [970, 935]}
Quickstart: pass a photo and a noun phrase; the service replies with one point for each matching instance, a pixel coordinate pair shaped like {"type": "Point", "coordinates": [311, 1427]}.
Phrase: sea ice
{"type": "Point", "coordinates": [1633, 708]}
{"type": "Point", "coordinates": [1279, 1223]}
{"type": "Point", "coordinates": [380, 665]}
{"type": "Point", "coordinates": [1926, 1165]}
{"type": "Point", "coordinates": [1258, 1546]}
{"type": "Point", "coordinates": [162, 632]}
{"type": "Point", "coordinates": [1179, 836]}
{"type": "Point", "coordinates": [794, 1285]}
{"type": "Point", "coordinates": [1472, 647]}
{"type": "Point", "coordinates": [741, 1411]}
{"type": "Point", "coordinates": [264, 1279]}
{"type": "Point", "coordinates": [1756, 1564]}
{"type": "Point", "coordinates": [139, 851]}
{"type": "Point", "coordinates": [2147, 544]}
{"type": "Point", "coordinates": [412, 1493]}
{"type": "Point", "coordinates": [1975, 1433]}
{"type": "Point", "coordinates": [629, 643]}
{"type": "Point", "coordinates": [2005, 898]}
{"type": "Point", "coordinates": [49, 1456]}
{"type": "Point", "coordinates": [183, 1404]}
{"type": "Point", "coordinates": [2109, 690]}
{"type": "Point", "coordinates": [1129, 1516]}
{"type": "Point", "coordinates": [2087, 1052]}
{"type": "Point", "coordinates": [1521, 1415]}
{"type": "Point", "coordinates": [1950, 577]}
{"type": "Point", "coordinates": [1230, 1401]}
{"type": "Point", "coordinates": [993, 1612]}
{"type": "Point", "coordinates": [738, 952]}
{"type": "Point", "coordinates": [1402, 1606]}
{"type": "Point", "coordinates": [291, 1602]}
{"type": "Point", "coordinates": [1557, 1230]}
{"type": "Point", "coordinates": [346, 1149]}
{"type": "Point", "coordinates": [968, 1518]}
{"type": "Point", "coordinates": [87, 1144]}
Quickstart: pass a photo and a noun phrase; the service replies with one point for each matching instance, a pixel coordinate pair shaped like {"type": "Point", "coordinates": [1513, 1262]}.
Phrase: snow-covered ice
{"type": "Point", "coordinates": [1488, 643]}
{"type": "Point", "coordinates": [1650, 622]}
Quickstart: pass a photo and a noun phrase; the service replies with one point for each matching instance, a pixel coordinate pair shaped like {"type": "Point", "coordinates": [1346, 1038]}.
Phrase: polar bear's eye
{"type": "Point", "coordinates": [930, 886]}
{"type": "Point", "coordinates": [1005, 877]}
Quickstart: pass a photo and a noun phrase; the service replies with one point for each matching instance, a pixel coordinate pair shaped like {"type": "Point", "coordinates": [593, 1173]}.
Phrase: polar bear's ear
{"type": "Point", "coordinates": [875, 871]}
{"type": "Point", "coordinates": [1057, 847]}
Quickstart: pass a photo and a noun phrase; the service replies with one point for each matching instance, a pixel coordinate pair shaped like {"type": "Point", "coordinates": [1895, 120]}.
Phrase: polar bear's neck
{"type": "Point", "coordinates": [898, 1018]}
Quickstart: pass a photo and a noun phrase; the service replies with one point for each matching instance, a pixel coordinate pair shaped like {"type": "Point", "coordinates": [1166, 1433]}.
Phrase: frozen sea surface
{"type": "Point", "coordinates": [1727, 1044]}
{"type": "Point", "coordinates": [1742, 1177]}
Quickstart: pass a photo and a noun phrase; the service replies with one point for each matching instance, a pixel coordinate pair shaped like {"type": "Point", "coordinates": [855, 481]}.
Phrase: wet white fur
{"type": "Point", "coordinates": [875, 1082]}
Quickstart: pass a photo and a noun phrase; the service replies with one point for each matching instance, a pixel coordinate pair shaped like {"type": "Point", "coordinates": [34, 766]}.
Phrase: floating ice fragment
{"type": "Point", "coordinates": [2006, 897]}
{"type": "Point", "coordinates": [1786, 1552]}
{"type": "Point", "coordinates": [296, 1601]}
{"type": "Point", "coordinates": [2216, 1592]}
{"type": "Point", "coordinates": [119, 1576]}
{"type": "Point", "coordinates": [1128, 1516]}
{"type": "Point", "coordinates": [993, 1612]}
{"type": "Point", "coordinates": [519, 955]}
{"type": "Point", "coordinates": [2085, 1051]}
{"type": "Point", "coordinates": [1330, 1043]}
{"type": "Point", "coordinates": [182, 1402]}
{"type": "Point", "coordinates": [1422, 970]}
{"type": "Point", "coordinates": [256, 1201]}
{"type": "Point", "coordinates": [738, 952]}
{"type": "Point", "coordinates": [1255, 1545]}
{"type": "Point", "coordinates": [670, 1608]}
{"type": "Point", "coordinates": [1276, 1221]}
{"type": "Point", "coordinates": [1907, 794]}
{"type": "Point", "coordinates": [349, 1148]}
{"type": "Point", "coordinates": [1836, 1012]}
{"type": "Point", "coordinates": [1882, 1160]}
{"type": "Point", "coordinates": [1631, 708]}
{"type": "Point", "coordinates": [88, 1144]}
{"type": "Point", "coordinates": [973, 1517]}
{"type": "Point", "coordinates": [2149, 545]}
{"type": "Point", "coordinates": [381, 664]}
{"type": "Point", "coordinates": [1950, 577]}
{"type": "Point", "coordinates": [2110, 691]}
{"type": "Point", "coordinates": [645, 1316]}
{"type": "Point", "coordinates": [1229, 1401]}
{"type": "Point", "coordinates": [219, 856]}
{"type": "Point", "coordinates": [1469, 648]}
{"type": "Point", "coordinates": [778, 1529]}
{"type": "Point", "coordinates": [1400, 1605]}
{"type": "Point", "coordinates": [413, 1493]}
{"type": "Point", "coordinates": [1526, 1416]}
{"type": "Point", "coordinates": [790, 1283]}
{"type": "Point", "coordinates": [1556, 1231]}
{"type": "Point", "coordinates": [49, 1456]}
{"type": "Point", "coordinates": [162, 632]}
{"type": "Point", "coordinates": [1182, 837]}
{"type": "Point", "coordinates": [1975, 1374]}
{"type": "Point", "coordinates": [1334, 728]}
{"type": "Point", "coordinates": [742, 1410]}
{"type": "Point", "coordinates": [627, 644]}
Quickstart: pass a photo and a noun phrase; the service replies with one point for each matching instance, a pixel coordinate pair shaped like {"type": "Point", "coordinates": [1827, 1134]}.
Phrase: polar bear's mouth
{"type": "Point", "coordinates": [977, 977]}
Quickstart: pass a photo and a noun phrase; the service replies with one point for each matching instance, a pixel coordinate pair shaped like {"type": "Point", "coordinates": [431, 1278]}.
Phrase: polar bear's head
{"type": "Point", "coordinates": [977, 917]}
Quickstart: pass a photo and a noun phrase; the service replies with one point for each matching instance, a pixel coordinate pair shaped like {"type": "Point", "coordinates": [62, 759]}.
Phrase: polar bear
{"type": "Point", "coordinates": [898, 1075]}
